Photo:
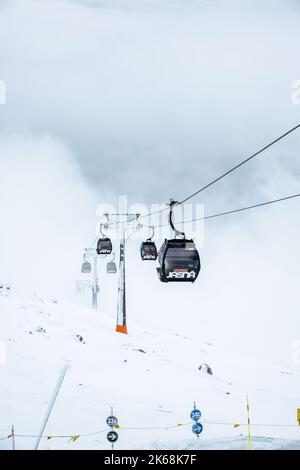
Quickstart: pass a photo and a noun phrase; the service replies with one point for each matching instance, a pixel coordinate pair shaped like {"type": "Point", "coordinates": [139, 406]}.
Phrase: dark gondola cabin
{"type": "Point", "coordinates": [179, 261]}
{"type": "Point", "coordinates": [148, 251]}
{"type": "Point", "coordinates": [86, 267]}
{"type": "Point", "coordinates": [104, 246]}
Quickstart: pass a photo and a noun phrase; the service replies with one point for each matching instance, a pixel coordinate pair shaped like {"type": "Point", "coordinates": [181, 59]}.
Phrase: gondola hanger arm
{"type": "Point", "coordinates": [150, 238]}
{"type": "Point", "coordinates": [105, 226]}
{"type": "Point", "coordinates": [178, 233]}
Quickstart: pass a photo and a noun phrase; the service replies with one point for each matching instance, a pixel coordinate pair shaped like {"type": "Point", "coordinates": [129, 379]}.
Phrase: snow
{"type": "Point", "coordinates": [150, 378]}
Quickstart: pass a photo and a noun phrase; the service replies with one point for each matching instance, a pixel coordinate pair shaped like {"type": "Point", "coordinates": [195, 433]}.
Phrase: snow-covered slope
{"type": "Point", "coordinates": [151, 380]}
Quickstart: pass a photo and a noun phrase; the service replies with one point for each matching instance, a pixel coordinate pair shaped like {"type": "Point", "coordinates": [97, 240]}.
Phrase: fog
{"type": "Point", "coordinates": [47, 213]}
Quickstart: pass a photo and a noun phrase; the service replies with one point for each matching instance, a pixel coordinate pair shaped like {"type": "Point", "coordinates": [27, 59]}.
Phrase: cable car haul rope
{"type": "Point", "coordinates": [231, 170]}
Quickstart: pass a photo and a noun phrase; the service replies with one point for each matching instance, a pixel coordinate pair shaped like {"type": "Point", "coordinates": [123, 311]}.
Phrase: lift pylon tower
{"type": "Point", "coordinates": [121, 313]}
{"type": "Point", "coordinates": [92, 255]}
{"type": "Point", "coordinates": [95, 287]}
{"type": "Point", "coordinates": [123, 221]}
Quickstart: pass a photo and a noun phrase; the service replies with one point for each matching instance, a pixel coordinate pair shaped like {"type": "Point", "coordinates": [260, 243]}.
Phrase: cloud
{"type": "Point", "coordinates": [144, 91]}
{"type": "Point", "coordinates": [47, 214]}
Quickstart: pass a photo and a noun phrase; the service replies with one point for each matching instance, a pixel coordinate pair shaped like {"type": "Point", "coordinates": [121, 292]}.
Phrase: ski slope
{"type": "Point", "coordinates": [150, 378]}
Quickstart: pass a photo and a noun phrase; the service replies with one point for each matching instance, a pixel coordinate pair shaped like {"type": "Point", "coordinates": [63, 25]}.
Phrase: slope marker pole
{"type": "Point", "coordinates": [51, 404]}
{"type": "Point", "coordinates": [249, 424]}
{"type": "Point", "coordinates": [13, 437]}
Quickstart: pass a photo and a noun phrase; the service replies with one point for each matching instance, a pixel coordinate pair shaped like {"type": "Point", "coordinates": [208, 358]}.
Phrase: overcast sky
{"type": "Point", "coordinates": [150, 99]}
{"type": "Point", "coordinates": [142, 91]}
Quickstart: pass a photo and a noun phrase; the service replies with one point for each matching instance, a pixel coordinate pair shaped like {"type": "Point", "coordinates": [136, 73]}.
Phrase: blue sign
{"type": "Point", "coordinates": [195, 414]}
{"type": "Point", "coordinates": [197, 428]}
{"type": "Point", "coordinates": [112, 421]}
